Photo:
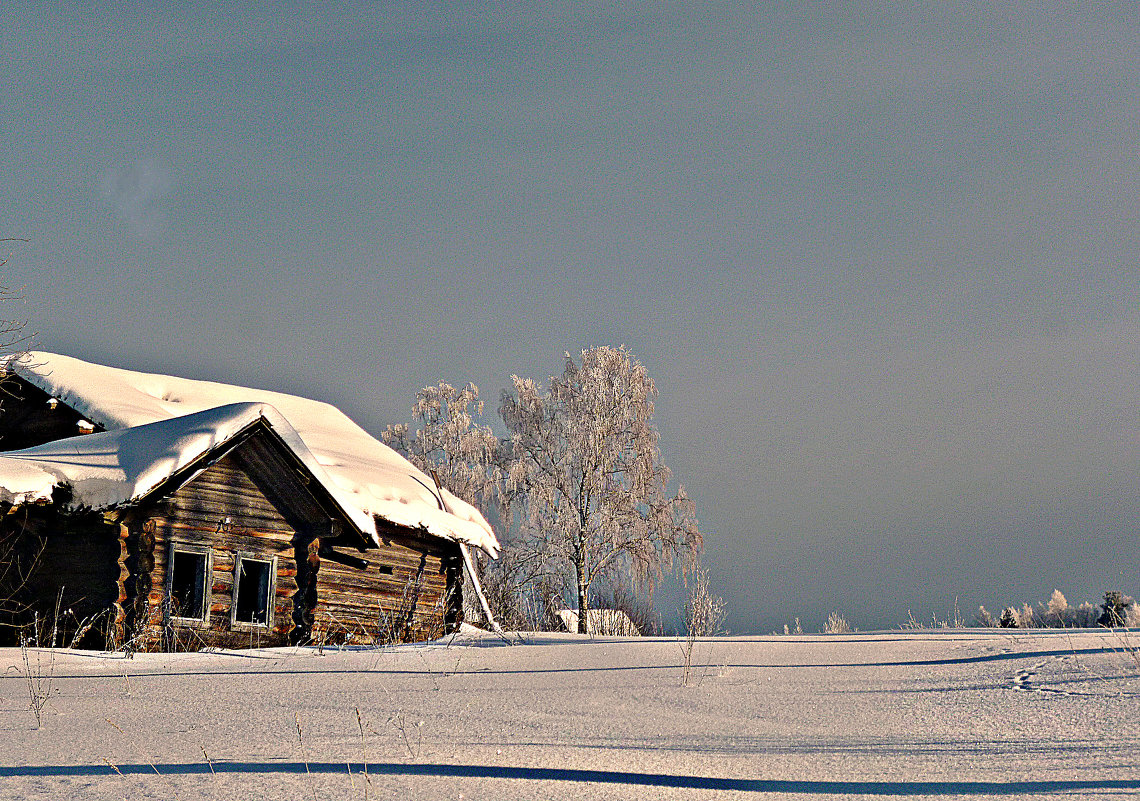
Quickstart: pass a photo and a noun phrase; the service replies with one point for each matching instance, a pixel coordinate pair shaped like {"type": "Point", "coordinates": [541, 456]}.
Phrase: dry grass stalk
{"type": "Point", "coordinates": [363, 753]}
{"type": "Point", "coordinates": [39, 683]}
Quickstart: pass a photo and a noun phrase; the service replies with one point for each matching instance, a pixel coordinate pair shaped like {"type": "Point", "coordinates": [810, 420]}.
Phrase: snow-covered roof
{"type": "Point", "coordinates": [157, 424]}
{"type": "Point", "coordinates": [113, 468]}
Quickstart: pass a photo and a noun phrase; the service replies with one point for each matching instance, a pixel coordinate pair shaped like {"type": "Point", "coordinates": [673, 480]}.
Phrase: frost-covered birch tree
{"type": "Point", "coordinates": [448, 442]}
{"type": "Point", "coordinates": [583, 457]}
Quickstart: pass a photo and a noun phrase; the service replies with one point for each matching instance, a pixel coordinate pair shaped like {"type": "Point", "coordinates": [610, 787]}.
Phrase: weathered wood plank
{"type": "Point", "coordinates": [369, 605]}
{"type": "Point", "coordinates": [271, 543]}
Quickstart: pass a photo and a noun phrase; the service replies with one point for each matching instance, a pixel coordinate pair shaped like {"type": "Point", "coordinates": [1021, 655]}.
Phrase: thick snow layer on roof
{"type": "Point", "coordinates": [363, 474]}
{"type": "Point", "coordinates": [112, 468]}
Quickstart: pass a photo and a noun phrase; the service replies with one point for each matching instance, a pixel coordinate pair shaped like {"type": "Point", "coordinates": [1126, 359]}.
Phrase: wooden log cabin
{"type": "Point", "coordinates": [177, 524]}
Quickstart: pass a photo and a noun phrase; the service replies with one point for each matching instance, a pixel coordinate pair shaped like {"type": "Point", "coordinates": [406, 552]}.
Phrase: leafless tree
{"type": "Point", "coordinates": [584, 457]}
{"type": "Point", "coordinates": [19, 550]}
{"type": "Point", "coordinates": [14, 336]}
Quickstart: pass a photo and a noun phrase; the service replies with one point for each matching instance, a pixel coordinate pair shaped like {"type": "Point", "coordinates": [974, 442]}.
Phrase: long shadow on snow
{"type": "Point", "coordinates": [752, 746]}
{"type": "Point", "coordinates": [303, 670]}
{"type": "Point", "coordinates": [595, 776]}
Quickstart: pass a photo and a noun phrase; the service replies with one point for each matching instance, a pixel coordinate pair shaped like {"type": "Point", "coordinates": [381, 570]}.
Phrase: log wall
{"type": "Point", "coordinates": [256, 503]}
{"type": "Point", "coordinates": [222, 510]}
{"type": "Point", "coordinates": [60, 581]}
{"type": "Point", "coordinates": [401, 596]}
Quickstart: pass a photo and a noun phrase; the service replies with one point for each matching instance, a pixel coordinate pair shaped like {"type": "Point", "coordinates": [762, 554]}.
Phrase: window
{"type": "Point", "coordinates": [253, 590]}
{"type": "Point", "coordinates": [189, 588]}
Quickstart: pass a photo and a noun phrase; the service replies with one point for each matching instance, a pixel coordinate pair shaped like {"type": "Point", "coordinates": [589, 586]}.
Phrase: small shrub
{"type": "Point", "coordinates": [1115, 610]}
{"type": "Point", "coordinates": [836, 624]}
{"type": "Point", "coordinates": [1132, 617]}
{"type": "Point", "coordinates": [704, 612]}
{"type": "Point", "coordinates": [799, 629]}
{"type": "Point", "coordinates": [39, 681]}
{"type": "Point", "coordinates": [601, 623]}
{"type": "Point", "coordinates": [620, 595]}
{"type": "Point", "coordinates": [1086, 616]}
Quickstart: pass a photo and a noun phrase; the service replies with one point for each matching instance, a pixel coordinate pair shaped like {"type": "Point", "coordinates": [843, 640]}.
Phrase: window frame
{"type": "Point", "coordinates": [271, 591]}
{"type": "Point", "coordinates": [206, 576]}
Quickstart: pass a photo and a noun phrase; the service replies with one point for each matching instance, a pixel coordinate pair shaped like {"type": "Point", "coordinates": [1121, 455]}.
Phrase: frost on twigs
{"type": "Point", "coordinates": [704, 613]}
{"type": "Point", "coordinates": [584, 462]}
{"type": "Point", "coordinates": [836, 624]}
{"type": "Point", "coordinates": [449, 443]}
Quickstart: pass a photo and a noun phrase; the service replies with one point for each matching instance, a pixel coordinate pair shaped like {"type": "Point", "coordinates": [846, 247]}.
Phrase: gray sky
{"type": "Point", "coordinates": [882, 264]}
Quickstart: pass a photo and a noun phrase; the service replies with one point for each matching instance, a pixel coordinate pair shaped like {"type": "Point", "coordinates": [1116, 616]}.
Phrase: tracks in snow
{"type": "Point", "coordinates": [1025, 680]}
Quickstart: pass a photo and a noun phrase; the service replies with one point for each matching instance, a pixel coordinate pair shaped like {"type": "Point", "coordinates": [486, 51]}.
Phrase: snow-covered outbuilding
{"type": "Point", "coordinates": [169, 512]}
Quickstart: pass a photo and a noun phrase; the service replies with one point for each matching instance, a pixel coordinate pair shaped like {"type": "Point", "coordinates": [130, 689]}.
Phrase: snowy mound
{"type": "Point", "coordinates": [365, 476]}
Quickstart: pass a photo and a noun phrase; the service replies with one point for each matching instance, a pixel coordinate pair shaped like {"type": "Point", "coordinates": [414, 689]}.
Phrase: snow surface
{"type": "Point", "coordinates": [364, 475]}
{"type": "Point", "coordinates": [923, 714]}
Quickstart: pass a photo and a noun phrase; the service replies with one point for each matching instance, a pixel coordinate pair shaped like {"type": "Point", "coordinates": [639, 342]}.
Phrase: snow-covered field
{"type": "Point", "coordinates": [930, 714]}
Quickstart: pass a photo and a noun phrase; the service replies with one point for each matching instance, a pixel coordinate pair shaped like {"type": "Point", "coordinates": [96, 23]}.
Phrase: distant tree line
{"type": "Point", "coordinates": [1116, 611]}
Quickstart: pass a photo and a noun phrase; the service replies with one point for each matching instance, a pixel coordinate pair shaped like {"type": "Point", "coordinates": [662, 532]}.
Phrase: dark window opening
{"type": "Point", "coordinates": [188, 584]}
{"type": "Point", "coordinates": [252, 591]}
{"type": "Point", "coordinates": [386, 570]}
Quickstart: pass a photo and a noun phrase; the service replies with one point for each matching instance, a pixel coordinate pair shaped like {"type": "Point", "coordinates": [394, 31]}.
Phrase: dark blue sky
{"type": "Point", "coordinates": [882, 263]}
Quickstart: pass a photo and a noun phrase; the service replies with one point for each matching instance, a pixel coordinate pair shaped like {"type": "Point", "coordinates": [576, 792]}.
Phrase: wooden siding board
{"type": "Point", "coordinates": [369, 605]}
